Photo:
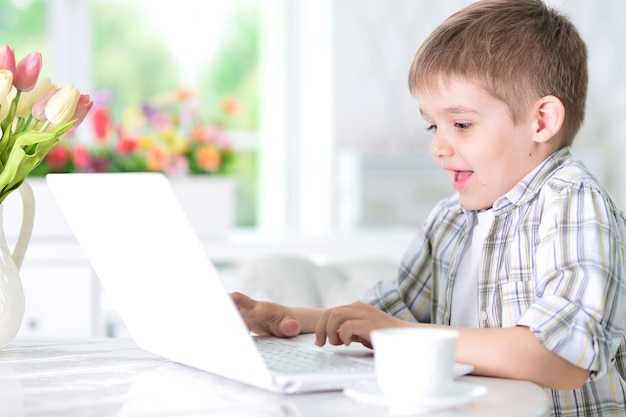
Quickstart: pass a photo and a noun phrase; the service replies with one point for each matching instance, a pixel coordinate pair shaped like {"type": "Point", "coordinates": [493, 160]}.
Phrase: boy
{"type": "Point", "coordinates": [527, 260]}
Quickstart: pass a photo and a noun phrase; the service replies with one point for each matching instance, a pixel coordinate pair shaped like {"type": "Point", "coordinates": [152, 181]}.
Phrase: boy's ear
{"type": "Point", "coordinates": [549, 116]}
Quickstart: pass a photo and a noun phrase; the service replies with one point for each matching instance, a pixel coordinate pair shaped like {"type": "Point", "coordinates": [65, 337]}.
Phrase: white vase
{"type": "Point", "coordinates": [11, 291]}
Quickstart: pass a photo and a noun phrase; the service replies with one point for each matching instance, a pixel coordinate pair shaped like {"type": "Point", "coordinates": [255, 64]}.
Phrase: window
{"type": "Point", "coordinates": [135, 50]}
{"type": "Point", "coordinates": [144, 48]}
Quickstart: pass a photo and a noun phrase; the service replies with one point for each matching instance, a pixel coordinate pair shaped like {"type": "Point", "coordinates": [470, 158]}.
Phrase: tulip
{"type": "Point", "coordinates": [7, 58]}
{"type": "Point", "coordinates": [38, 110]}
{"type": "Point", "coordinates": [6, 84]}
{"type": "Point", "coordinates": [82, 108]}
{"type": "Point", "coordinates": [61, 106]}
{"type": "Point", "coordinates": [28, 99]}
{"type": "Point", "coordinates": [27, 72]}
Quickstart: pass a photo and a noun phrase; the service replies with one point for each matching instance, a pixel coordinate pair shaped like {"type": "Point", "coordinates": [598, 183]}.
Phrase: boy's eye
{"type": "Point", "coordinates": [431, 128]}
{"type": "Point", "coordinates": [462, 126]}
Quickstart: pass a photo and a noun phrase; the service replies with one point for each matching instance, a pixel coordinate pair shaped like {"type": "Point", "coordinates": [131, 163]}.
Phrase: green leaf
{"type": "Point", "coordinates": [29, 149]}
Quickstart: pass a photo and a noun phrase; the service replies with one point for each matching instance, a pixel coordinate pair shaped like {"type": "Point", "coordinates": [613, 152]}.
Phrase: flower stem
{"type": "Point", "coordinates": [27, 123]}
{"type": "Point", "coordinates": [45, 126]}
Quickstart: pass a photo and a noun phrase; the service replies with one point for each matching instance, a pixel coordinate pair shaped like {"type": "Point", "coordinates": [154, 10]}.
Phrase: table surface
{"type": "Point", "coordinates": [113, 377]}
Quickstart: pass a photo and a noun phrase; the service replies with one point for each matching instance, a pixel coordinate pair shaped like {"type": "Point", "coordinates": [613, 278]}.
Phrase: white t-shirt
{"type": "Point", "coordinates": [464, 312]}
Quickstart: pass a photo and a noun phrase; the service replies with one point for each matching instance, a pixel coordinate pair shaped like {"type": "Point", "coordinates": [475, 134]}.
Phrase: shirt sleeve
{"type": "Point", "coordinates": [409, 296]}
{"type": "Point", "coordinates": [580, 305]}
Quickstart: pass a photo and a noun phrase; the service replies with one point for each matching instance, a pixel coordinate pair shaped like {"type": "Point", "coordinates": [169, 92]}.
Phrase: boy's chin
{"type": "Point", "coordinates": [475, 204]}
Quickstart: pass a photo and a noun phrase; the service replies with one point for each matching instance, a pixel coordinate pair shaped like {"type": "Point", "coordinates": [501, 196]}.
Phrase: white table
{"type": "Point", "coordinates": [113, 377]}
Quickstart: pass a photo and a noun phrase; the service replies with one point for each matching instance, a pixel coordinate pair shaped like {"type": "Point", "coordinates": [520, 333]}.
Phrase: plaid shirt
{"type": "Point", "coordinates": [554, 261]}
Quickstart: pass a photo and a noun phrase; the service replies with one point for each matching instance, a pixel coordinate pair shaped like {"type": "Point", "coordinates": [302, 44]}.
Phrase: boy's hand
{"type": "Point", "coordinates": [264, 318]}
{"type": "Point", "coordinates": [352, 323]}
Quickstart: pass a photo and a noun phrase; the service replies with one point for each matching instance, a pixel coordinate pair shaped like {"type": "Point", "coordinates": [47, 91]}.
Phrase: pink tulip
{"type": "Point", "coordinates": [27, 72]}
{"type": "Point", "coordinates": [39, 107]}
{"type": "Point", "coordinates": [7, 58]}
{"type": "Point", "coordinates": [82, 108]}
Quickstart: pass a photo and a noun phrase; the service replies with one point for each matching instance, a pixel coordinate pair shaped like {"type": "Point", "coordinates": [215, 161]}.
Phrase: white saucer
{"type": "Point", "coordinates": [460, 369]}
{"type": "Point", "coordinates": [459, 394]}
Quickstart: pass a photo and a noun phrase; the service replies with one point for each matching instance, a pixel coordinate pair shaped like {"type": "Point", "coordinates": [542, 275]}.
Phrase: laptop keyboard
{"type": "Point", "coordinates": [290, 359]}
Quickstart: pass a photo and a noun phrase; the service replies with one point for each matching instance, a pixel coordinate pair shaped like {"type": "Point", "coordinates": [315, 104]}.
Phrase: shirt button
{"type": "Point", "coordinates": [483, 315]}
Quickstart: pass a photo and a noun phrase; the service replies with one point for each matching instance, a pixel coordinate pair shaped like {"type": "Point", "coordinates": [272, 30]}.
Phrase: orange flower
{"type": "Point", "coordinates": [199, 133]}
{"type": "Point", "coordinates": [183, 94]}
{"type": "Point", "coordinates": [158, 158]}
{"type": "Point", "coordinates": [208, 158]}
{"type": "Point", "coordinates": [231, 106]}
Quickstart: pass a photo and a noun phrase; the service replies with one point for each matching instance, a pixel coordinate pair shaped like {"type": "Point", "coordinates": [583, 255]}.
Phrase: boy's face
{"type": "Point", "coordinates": [476, 142]}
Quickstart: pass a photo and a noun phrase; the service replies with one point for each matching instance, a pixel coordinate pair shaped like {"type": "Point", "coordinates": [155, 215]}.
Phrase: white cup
{"type": "Point", "coordinates": [413, 363]}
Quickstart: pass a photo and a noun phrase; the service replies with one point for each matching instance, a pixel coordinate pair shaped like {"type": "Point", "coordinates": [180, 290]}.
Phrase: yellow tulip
{"type": "Point", "coordinates": [28, 99]}
{"type": "Point", "coordinates": [6, 84]}
{"type": "Point", "coordinates": [61, 106]}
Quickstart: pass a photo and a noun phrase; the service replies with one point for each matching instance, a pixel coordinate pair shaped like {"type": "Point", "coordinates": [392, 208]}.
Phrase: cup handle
{"type": "Point", "coordinates": [28, 219]}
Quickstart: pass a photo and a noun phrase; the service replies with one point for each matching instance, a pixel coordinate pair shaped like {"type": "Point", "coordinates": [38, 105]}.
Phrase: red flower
{"type": "Point", "coordinates": [127, 145]}
{"type": "Point", "coordinates": [81, 157]}
{"type": "Point", "coordinates": [58, 157]}
{"type": "Point", "coordinates": [101, 120]}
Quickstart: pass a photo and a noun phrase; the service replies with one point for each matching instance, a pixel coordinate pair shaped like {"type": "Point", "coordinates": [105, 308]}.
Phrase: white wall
{"type": "Point", "coordinates": [343, 143]}
{"type": "Point", "coordinates": [377, 122]}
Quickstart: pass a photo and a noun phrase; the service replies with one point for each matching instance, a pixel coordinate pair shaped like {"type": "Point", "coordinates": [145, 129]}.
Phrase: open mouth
{"type": "Point", "coordinates": [461, 178]}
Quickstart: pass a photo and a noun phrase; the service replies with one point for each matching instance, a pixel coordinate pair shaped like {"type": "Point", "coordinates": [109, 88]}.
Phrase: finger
{"type": "Point", "coordinates": [336, 319]}
{"type": "Point", "coordinates": [257, 319]}
{"type": "Point", "coordinates": [289, 327]}
{"type": "Point", "coordinates": [242, 302]}
{"type": "Point", "coordinates": [269, 318]}
{"type": "Point", "coordinates": [320, 329]}
{"type": "Point", "coordinates": [354, 331]}
{"type": "Point", "coordinates": [365, 342]}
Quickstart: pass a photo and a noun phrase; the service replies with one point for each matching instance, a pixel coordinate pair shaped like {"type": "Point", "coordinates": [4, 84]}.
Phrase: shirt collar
{"type": "Point", "coordinates": [528, 187]}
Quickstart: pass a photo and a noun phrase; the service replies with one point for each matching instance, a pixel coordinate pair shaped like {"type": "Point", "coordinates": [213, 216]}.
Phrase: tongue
{"type": "Point", "coordinates": [461, 175]}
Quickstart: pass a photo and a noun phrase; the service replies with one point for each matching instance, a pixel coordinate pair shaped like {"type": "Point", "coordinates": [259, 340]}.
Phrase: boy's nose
{"type": "Point", "coordinates": [440, 147]}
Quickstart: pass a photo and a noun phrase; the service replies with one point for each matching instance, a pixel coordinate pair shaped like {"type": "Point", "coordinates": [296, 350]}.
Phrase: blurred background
{"type": "Point", "coordinates": [331, 153]}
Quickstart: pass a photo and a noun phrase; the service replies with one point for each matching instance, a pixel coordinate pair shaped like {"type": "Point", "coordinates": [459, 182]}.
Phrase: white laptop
{"type": "Point", "coordinates": [149, 260]}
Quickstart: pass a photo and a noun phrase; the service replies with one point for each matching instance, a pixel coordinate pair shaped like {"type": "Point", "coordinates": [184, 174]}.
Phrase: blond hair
{"type": "Point", "coordinates": [518, 50]}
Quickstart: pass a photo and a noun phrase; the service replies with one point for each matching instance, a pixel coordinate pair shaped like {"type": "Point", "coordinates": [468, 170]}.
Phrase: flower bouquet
{"type": "Point", "coordinates": [33, 116]}
{"type": "Point", "coordinates": [165, 134]}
